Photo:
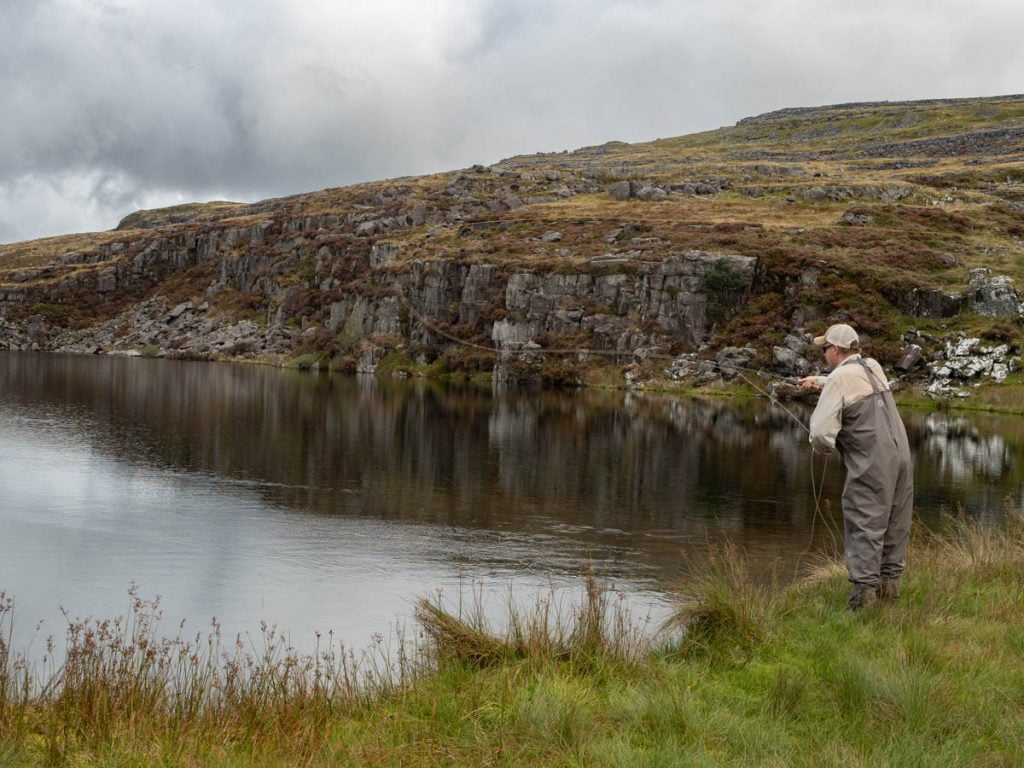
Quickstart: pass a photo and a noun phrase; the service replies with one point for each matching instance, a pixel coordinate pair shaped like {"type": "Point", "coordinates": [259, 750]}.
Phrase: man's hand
{"type": "Point", "coordinates": [809, 383]}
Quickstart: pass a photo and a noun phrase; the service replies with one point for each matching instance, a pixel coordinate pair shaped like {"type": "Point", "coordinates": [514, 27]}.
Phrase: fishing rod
{"type": "Point", "coordinates": [739, 369]}
{"type": "Point", "coordinates": [574, 350]}
{"type": "Point", "coordinates": [817, 488]}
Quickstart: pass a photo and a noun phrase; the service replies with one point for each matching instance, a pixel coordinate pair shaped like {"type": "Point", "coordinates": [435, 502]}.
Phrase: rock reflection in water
{"type": "Point", "coordinates": [622, 470]}
{"type": "Point", "coordinates": [237, 490]}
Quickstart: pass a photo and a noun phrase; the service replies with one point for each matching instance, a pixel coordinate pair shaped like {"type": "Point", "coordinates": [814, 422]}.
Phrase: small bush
{"type": "Point", "coordinates": [725, 286]}
{"type": "Point", "coordinates": [304, 362]}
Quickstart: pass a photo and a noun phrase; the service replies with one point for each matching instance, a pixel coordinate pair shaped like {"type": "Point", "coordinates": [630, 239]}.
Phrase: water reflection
{"type": "Point", "coordinates": [233, 480]}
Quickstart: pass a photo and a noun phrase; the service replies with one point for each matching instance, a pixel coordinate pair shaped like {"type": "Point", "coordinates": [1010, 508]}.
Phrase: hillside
{"type": "Point", "coordinates": [747, 236]}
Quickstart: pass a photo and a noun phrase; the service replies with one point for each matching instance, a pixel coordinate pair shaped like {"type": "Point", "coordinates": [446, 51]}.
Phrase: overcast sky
{"type": "Point", "coordinates": [107, 106]}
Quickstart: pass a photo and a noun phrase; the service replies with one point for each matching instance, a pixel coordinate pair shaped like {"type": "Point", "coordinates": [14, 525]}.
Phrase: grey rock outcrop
{"type": "Point", "coordinates": [37, 332]}
{"type": "Point", "coordinates": [650, 194]}
{"type": "Point", "coordinates": [993, 296]}
{"type": "Point", "coordinates": [711, 186]}
{"type": "Point", "coordinates": [382, 254]}
{"type": "Point", "coordinates": [936, 303]}
{"type": "Point", "coordinates": [689, 367]}
{"type": "Point", "coordinates": [909, 357]}
{"type": "Point", "coordinates": [621, 190]}
{"type": "Point", "coordinates": [370, 358]}
{"type": "Point", "coordinates": [856, 219]}
{"type": "Point", "coordinates": [732, 360]}
{"type": "Point", "coordinates": [839, 193]}
{"type": "Point", "coordinates": [790, 363]}
{"type": "Point", "coordinates": [965, 360]}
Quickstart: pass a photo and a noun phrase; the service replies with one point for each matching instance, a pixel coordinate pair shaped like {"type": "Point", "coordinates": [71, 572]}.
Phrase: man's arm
{"type": "Point", "coordinates": [827, 418]}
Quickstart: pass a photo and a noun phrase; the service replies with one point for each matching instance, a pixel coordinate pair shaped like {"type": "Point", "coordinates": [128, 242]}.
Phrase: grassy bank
{"type": "Point", "coordinates": [762, 675]}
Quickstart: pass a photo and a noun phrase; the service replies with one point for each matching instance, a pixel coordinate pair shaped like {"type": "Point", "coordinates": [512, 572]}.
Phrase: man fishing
{"type": "Point", "coordinates": [857, 415]}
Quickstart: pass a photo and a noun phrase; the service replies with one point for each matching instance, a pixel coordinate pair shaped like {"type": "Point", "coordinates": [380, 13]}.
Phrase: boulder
{"type": "Point", "coordinates": [367, 229]}
{"type": "Point", "coordinates": [790, 363]}
{"type": "Point", "coordinates": [621, 190]}
{"type": "Point", "coordinates": [910, 357]}
{"type": "Point", "coordinates": [106, 280]}
{"type": "Point", "coordinates": [418, 215]}
{"type": "Point", "coordinates": [731, 359]}
{"type": "Point", "coordinates": [856, 219]}
{"type": "Point", "coordinates": [992, 296]}
{"type": "Point", "coordinates": [651, 194]}
{"type": "Point", "coordinates": [926, 302]}
{"type": "Point", "coordinates": [179, 310]}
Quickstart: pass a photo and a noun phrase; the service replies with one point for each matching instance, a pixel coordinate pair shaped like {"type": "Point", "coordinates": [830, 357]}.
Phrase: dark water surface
{"type": "Point", "coordinates": [316, 501]}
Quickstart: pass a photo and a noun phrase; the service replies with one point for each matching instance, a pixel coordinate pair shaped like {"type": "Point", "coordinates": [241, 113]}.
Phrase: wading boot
{"type": "Point", "coordinates": [862, 596]}
{"type": "Point", "coordinates": [889, 589]}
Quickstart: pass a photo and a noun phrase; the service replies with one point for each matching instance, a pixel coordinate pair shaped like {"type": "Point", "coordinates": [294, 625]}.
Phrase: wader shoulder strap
{"type": "Point", "coordinates": [876, 385]}
{"type": "Point", "coordinates": [886, 401]}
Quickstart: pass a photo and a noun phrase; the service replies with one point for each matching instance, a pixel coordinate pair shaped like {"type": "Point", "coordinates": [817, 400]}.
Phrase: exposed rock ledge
{"type": "Point", "coordinates": [642, 304]}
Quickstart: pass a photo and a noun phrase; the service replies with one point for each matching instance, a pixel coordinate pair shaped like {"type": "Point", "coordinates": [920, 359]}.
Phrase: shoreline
{"type": "Point", "coordinates": [1010, 394]}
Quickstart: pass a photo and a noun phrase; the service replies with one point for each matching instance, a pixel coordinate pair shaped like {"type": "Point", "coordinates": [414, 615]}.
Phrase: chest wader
{"type": "Point", "coordinates": [879, 491]}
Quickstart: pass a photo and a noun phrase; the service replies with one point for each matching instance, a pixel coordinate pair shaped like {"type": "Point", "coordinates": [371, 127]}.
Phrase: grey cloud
{"type": "Point", "coordinates": [114, 104]}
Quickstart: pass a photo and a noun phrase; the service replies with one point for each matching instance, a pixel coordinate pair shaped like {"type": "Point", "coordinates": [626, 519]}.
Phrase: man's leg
{"type": "Point", "coordinates": [897, 533]}
{"type": "Point", "coordinates": [865, 515]}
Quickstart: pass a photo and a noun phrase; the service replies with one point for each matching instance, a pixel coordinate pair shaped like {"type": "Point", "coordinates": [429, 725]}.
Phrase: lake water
{"type": "Point", "coordinates": [323, 501]}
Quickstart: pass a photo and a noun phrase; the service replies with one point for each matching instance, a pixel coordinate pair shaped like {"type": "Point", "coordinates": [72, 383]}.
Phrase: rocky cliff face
{"type": "Point", "coordinates": [880, 215]}
{"type": "Point", "coordinates": [363, 293]}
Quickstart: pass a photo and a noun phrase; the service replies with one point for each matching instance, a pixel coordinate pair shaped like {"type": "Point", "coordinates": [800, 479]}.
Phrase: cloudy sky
{"type": "Point", "coordinates": [107, 106]}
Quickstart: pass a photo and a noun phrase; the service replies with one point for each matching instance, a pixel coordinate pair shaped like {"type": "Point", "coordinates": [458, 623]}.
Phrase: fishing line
{"type": "Point", "coordinates": [775, 401]}
{"type": "Point", "coordinates": [816, 488]}
{"type": "Point", "coordinates": [580, 350]}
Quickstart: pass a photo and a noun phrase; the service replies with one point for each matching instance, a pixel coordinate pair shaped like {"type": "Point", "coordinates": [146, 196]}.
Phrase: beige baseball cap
{"type": "Point", "coordinates": [840, 335]}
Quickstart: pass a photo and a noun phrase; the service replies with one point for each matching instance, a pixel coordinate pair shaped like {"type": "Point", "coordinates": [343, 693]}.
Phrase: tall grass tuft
{"type": "Point", "coordinates": [15, 679]}
{"type": "Point", "coordinates": [598, 626]}
{"type": "Point", "coordinates": [121, 671]}
{"type": "Point", "coordinates": [724, 608]}
{"type": "Point", "coordinates": [968, 545]}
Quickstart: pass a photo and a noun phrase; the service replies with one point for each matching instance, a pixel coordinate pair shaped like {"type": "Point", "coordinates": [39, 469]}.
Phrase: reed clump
{"type": "Point", "coordinates": [748, 671]}
{"type": "Point", "coordinates": [724, 608]}
{"type": "Point", "coordinates": [117, 673]}
{"type": "Point", "coordinates": [597, 626]}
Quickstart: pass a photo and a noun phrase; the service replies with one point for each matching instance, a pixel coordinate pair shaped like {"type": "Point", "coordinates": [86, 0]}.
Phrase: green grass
{"type": "Point", "coordinates": [305, 361]}
{"type": "Point", "coordinates": [747, 673]}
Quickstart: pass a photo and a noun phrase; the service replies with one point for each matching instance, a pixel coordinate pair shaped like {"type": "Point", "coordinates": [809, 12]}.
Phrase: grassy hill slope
{"type": "Point", "coordinates": [857, 212]}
